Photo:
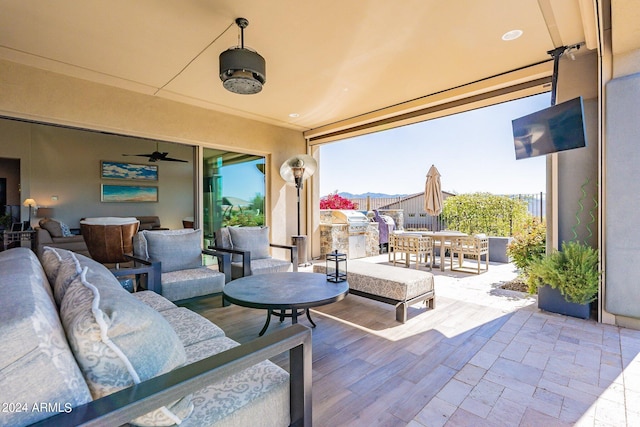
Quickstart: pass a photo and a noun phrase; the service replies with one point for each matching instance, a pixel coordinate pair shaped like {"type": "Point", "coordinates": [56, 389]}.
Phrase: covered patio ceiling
{"type": "Point", "coordinates": [327, 61]}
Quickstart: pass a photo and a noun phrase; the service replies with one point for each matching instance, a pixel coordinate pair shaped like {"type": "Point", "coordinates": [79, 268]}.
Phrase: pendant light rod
{"type": "Point", "coordinates": [242, 23]}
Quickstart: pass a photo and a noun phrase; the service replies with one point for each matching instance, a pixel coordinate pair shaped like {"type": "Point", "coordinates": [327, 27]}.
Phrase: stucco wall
{"type": "Point", "coordinates": [35, 94]}
{"type": "Point", "coordinates": [621, 75]}
{"type": "Point", "coordinates": [623, 197]}
{"type": "Point", "coordinates": [577, 169]}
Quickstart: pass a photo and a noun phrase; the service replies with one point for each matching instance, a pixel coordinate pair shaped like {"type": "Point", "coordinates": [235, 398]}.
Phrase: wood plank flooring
{"type": "Point", "coordinates": [368, 369]}
{"type": "Point", "coordinates": [482, 357]}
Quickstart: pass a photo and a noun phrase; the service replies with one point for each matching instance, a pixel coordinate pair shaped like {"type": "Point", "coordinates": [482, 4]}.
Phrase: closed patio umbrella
{"type": "Point", "coordinates": [433, 192]}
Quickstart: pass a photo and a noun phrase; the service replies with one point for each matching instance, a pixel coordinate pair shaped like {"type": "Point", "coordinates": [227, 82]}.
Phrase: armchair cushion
{"type": "Point", "coordinates": [262, 266]}
{"type": "Point", "coordinates": [176, 249]}
{"type": "Point", "coordinates": [223, 239]}
{"type": "Point", "coordinates": [252, 239]}
{"type": "Point", "coordinates": [180, 254]}
{"type": "Point", "coordinates": [191, 283]}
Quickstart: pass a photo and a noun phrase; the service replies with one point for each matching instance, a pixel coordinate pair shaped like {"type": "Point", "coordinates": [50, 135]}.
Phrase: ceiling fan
{"type": "Point", "coordinates": [157, 156]}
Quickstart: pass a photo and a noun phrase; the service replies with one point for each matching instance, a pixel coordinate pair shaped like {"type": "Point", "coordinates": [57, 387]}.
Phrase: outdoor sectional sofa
{"type": "Point", "coordinates": [76, 348]}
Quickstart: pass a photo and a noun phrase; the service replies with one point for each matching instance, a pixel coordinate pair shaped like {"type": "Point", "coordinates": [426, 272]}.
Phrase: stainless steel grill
{"type": "Point", "coordinates": [357, 224]}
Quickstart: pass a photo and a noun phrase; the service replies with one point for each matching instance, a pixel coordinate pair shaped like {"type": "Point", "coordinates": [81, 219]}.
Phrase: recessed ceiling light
{"type": "Point", "coordinates": [511, 35]}
{"type": "Point", "coordinates": [294, 115]}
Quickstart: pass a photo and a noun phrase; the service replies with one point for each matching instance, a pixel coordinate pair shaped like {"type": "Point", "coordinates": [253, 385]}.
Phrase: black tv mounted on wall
{"type": "Point", "coordinates": [557, 128]}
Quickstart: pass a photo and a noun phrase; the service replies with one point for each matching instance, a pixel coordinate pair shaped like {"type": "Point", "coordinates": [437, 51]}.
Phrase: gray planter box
{"type": "Point", "coordinates": [550, 299]}
{"type": "Point", "coordinates": [498, 249]}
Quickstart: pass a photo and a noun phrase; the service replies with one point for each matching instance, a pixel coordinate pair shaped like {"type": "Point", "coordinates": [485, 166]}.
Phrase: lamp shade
{"type": "Point", "coordinates": [302, 165]}
{"type": "Point", "coordinates": [44, 213]}
{"type": "Point", "coordinates": [29, 202]}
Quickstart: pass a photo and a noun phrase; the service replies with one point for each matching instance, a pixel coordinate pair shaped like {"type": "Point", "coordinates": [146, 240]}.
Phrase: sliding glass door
{"type": "Point", "coordinates": [234, 190]}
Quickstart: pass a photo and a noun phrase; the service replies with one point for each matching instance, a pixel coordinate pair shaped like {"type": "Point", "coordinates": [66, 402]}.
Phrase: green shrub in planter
{"type": "Point", "coordinates": [528, 245]}
{"type": "Point", "coordinates": [573, 271]}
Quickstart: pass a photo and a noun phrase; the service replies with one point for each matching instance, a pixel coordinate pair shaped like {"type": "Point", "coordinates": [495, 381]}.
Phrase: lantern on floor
{"type": "Point", "coordinates": [336, 267]}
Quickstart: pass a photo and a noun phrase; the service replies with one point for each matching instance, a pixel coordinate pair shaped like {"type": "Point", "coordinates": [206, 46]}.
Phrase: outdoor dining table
{"type": "Point", "coordinates": [442, 237]}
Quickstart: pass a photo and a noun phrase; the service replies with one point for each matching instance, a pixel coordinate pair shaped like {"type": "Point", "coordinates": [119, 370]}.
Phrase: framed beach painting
{"type": "Point", "coordinates": [128, 193]}
{"type": "Point", "coordinates": [124, 170]}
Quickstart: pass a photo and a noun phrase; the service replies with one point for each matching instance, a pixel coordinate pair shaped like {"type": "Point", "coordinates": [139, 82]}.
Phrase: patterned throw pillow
{"type": "Point", "coordinates": [67, 272]}
{"type": "Point", "coordinates": [119, 341]}
{"type": "Point", "coordinates": [65, 230]}
{"type": "Point", "coordinates": [50, 260]}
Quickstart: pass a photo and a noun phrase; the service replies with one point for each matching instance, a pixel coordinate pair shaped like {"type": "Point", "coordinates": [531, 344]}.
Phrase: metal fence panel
{"type": "Point", "coordinates": [416, 218]}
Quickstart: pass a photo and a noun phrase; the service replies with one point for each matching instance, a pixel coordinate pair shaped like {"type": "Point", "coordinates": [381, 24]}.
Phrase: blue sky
{"type": "Point", "coordinates": [242, 180]}
{"type": "Point", "coordinates": [473, 151]}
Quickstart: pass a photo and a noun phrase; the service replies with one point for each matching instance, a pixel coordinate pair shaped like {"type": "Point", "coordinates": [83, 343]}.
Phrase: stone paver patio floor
{"type": "Point", "coordinates": [518, 365]}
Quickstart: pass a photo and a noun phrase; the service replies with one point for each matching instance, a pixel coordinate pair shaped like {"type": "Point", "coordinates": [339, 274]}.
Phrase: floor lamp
{"type": "Point", "coordinates": [30, 203]}
{"type": "Point", "coordinates": [296, 170]}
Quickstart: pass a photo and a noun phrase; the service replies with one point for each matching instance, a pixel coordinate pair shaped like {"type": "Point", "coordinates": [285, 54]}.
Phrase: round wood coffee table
{"type": "Point", "coordinates": [279, 292]}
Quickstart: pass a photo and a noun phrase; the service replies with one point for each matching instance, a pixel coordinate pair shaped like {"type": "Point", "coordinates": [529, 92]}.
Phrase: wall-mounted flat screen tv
{"type": "Point", "coordinates": [557, 128]}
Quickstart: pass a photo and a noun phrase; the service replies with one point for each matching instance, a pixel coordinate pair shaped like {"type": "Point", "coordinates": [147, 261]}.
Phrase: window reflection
{"type": "Point", "coordinates": [234, 189]}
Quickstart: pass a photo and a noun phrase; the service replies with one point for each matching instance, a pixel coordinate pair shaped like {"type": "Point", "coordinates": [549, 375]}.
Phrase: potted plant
{"type": "Point", "coordinates": [5, 221]}
{"type": "Point", "coordinates": [567, 280]}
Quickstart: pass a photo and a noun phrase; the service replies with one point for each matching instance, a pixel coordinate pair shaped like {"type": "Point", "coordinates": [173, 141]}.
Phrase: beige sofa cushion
{"type": "Point", "coordinates": [36, 363]}
{"type": "Point", "coordinates": [256, 396]}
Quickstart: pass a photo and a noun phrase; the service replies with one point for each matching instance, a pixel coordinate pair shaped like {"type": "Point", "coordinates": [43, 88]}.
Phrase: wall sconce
{"type": "Point", "coordinates": [336, 267]}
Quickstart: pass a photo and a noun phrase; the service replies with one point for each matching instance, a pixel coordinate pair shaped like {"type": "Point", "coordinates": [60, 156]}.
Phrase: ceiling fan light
{"type": "Point", "coordinates": [242, 82]}
{"type": "Point", "coordinates": [242, 70]}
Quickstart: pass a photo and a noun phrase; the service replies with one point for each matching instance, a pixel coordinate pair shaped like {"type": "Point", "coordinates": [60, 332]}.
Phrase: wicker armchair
{"type": "Point", "coordinates": [421, 247]}
{"type": "Point", "coordinates": [471, 246]}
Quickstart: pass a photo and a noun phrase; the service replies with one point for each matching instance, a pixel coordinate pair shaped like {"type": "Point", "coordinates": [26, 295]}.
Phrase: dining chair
{"type": "Point", "coordinates": [471, 246]}
{"type": "Point", "coordinates": [420, 247]}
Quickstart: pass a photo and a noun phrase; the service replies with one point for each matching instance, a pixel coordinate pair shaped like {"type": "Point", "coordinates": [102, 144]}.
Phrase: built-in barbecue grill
{"type": "Point", "coordinates": [357, 224]}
